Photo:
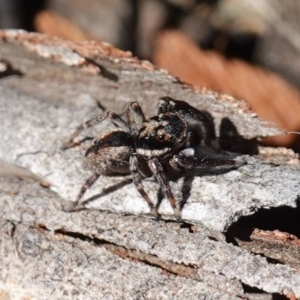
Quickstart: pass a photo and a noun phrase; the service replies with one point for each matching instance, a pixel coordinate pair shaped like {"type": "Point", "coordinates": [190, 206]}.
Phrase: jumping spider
{"type": "Point", "coordinates": [172, 139]}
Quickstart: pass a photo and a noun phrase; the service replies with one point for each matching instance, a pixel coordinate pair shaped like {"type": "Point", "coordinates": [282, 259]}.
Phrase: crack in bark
{"type": "Point", "coordinates": [190, 272]}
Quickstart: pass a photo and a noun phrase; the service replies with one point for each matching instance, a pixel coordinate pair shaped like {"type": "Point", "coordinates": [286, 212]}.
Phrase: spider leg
{"type": "Point", "coordinates": [137, 180]}
{"type": "Point", "coordinates": [163, 105]}
{"type": "Point", "coordinates": [110, 115]}
{"type": "Point", "coordinates": [187, 160]}
{"type": "Point", "coordinates": [89, 182]}
{"type": "Point", "coordinates": [158, 171]}
{"type": "Point", "coordinates": [134, 117]}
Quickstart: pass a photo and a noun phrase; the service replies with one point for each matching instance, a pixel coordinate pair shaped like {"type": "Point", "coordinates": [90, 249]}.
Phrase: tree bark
{"type": "Point", "coordinates": [114, 249]}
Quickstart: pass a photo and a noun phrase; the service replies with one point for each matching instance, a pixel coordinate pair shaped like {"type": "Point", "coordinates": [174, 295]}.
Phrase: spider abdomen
{"type": "Point", "coordinates": [110, 152]}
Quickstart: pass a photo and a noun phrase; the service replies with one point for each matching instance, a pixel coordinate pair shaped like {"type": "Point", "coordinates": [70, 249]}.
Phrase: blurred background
{"type": "Point", "coordinates": [244, 48]}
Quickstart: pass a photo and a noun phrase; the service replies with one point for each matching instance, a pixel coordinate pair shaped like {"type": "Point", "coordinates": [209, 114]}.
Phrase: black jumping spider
{"type": "Point", "coordinates": [174, 139]}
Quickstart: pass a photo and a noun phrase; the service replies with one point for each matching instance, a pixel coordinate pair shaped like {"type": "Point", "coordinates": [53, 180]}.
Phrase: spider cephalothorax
{"type": "Point", "coordinates": [161, 135]}
{"type": "Point", "coordinates": [173, 139]}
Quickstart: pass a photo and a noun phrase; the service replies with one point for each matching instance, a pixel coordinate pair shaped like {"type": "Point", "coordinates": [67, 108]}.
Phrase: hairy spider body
{"type": "Point", "coordinates": [104, 147]}
{"type": "Point", "coordinates": [144, 147]}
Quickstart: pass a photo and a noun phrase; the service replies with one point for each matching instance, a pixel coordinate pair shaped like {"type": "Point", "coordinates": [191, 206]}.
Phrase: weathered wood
{"type": "Point", "coordinates": [53, 86]}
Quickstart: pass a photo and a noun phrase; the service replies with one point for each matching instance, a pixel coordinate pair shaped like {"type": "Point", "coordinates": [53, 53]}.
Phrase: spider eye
{"type": "Point", "coordinates": [160, 135]}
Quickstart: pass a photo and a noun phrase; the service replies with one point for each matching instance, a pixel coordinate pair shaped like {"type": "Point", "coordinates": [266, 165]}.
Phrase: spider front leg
{"type": "Point", "coordinates": [187, 160]}
{"type": "Point", "coordinates": [159, 173]}
{"type": "Point", "coordinates": [110, 115]}
{"type": "Point", "coordinates": [137, 180]}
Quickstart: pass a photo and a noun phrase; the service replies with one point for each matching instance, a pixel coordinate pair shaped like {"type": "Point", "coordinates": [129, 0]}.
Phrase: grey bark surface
{"type": "Point", "coordinates": [114, 249]}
